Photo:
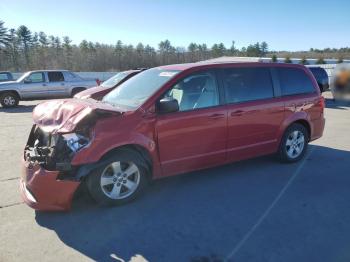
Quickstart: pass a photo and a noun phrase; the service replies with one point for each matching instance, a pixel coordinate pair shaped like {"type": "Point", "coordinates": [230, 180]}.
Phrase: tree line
{"type": "Point", "coordinates": [22, 50]}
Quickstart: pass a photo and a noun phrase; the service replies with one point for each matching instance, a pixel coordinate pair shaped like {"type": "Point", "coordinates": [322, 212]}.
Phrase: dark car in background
{"type": "Point", "coordinates": [321, 77]}
{"type": "Point", "coordinates": [5, 76]}
{"type": "Point", "coordinates": [100, 91]}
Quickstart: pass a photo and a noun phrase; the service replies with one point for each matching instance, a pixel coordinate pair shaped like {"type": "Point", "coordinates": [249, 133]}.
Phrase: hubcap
{"type": "Point", "coordinates": [295, 144]}
{"type": "Point", "coordinates": [120, 179]}
{"type": "Point", "coordinates": [9, 100]}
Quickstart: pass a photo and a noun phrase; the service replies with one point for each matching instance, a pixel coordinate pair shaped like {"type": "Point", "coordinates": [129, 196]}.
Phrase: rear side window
{"type": "Point", "coordinates": [316, 71]}
{"type": "Point", "coordinates": [55, 76]}
{"type": "Point", "coordinates": [294, 81]}
{"type": "Point", "coordinates": [247, 84]}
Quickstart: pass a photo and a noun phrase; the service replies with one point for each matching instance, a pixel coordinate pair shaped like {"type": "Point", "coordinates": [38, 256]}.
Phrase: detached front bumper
{"type": "Point", "coordinates": [42, 190]}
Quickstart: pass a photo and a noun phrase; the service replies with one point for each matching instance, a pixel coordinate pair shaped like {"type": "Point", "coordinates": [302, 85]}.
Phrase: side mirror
{"type": "Point", "coordinates": [27, 81]}
{"type": "Point", "coordinates": [167, 105]}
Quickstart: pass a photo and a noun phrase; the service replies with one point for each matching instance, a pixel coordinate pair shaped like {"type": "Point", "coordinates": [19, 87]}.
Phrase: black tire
{"type": "Point", "coordinates": [283, 154]}
{"type": "Point", "coordinates": [9, 99]}
{"type": "Point", "coordinates": [77, 90]}
{"type": "Point", "coordinates": [124, 157]}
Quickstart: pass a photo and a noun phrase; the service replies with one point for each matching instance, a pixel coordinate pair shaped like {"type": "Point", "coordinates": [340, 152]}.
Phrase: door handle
{"type": "Point", "coordinates": [237, 113]}
{"type": "Point", "coordinates": [44, 85]}
{"type": "Point", "coordinates": [216, 116]}
{"type": "Point", "coordinates": [62, 84]}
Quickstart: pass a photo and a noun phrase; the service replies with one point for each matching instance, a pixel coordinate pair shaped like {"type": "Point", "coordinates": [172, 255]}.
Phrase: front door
{"type": "Point", "coordinates": [195, 136]}
{"type": "Point", "coordinates": [34, 86]}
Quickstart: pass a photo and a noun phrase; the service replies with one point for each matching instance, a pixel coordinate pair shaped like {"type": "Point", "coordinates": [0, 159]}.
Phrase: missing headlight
{"type": "Point", "coordinates": [75, 142]}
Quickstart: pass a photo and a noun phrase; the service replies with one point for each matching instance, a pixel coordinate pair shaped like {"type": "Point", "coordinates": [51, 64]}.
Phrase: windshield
{"type": "Point", "coordinates": [138, 89]}
{"type": "Point", "coordinates": [114, 80]}
{"type": "Point", "coordinates": [21, 78]}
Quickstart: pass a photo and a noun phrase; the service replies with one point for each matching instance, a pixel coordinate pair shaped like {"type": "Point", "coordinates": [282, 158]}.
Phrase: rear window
{"type": "Point", "coordinates": [318, 72]}
{"type": "Point", "coordinates": [247, 84]}
{"type": "Point", "coordinates": [294, 81]}
{"type": "Point", "coordinates": [4, 76]}
{"type": "Point", "coordinates": [55, 76]}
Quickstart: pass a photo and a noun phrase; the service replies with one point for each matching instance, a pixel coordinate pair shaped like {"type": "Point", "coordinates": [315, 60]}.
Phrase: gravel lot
{"type": "Point", "coordinates": [255, 210]}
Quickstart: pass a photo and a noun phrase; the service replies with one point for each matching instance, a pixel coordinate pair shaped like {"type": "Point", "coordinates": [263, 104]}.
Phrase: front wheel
{"type": "Point", "coordinates": [294, 143]}
{"type": "Point", "coordinates": [120, 179]}
{"type": "Point", "coordinates": [9, 99]}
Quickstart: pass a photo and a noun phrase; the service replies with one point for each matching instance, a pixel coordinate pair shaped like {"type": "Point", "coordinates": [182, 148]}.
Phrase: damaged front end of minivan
{"type": "Point", "coordinates": [61, 130]}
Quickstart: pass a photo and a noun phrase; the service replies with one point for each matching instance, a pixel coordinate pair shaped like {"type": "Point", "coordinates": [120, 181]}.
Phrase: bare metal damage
{"type": "Point", "coordinates": [62, 128]}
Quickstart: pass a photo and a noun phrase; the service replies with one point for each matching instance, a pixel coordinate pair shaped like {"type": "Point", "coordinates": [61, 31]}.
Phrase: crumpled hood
{"type": "Point", "coordinates": [63, 115]}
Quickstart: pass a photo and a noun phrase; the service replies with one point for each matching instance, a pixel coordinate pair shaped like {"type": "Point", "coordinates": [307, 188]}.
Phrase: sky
{"type": "Point", "coordinates": [284, 25]}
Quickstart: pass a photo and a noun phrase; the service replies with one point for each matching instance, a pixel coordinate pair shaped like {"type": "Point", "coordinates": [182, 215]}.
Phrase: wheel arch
{"type": "Point", "coordinates": [10, 91]}
{"type": "Point", "coordinates": [300, 118]}
{"type": "Point", "coordinates": [142, 152]}
{"type": "Point", "coordinates": [304, 123]}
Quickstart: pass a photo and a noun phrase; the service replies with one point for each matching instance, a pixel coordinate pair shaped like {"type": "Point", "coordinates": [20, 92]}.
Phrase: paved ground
{"type": "Point", "coordinates": [256, 210]}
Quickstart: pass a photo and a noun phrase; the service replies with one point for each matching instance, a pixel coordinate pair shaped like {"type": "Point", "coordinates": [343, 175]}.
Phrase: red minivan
{"type": "Point", "coordinates": [166, 121]}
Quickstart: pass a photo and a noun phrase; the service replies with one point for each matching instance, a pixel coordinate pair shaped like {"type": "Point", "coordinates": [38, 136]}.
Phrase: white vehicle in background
{"type": "Point", "coordinates": [43, 84]}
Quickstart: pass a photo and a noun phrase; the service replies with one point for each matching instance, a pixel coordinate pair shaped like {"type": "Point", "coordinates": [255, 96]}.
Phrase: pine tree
{"type": "Point", "coordinates": [25, 38]}
{"type": "Point", "coordinates": [303, 61]}
{"type": "Point", "coordinates": [118, 52]}
{"type": "Point", "coordinates": [233, 49]}
{"type": "Point", "coordinates": [13, 49]}
{"type": "Point", "coordinates": [264, 48]}
{"type": "Point", "coordinates": [68, 52]}
{"type": "Point", "coordinates": [4, 36]}
{"type": "Point", "coordinates": [274, 58]}
{"type": "Point", "coordinates": [320, 61]}
{"type": "Point", "coordinates": [287, 60]}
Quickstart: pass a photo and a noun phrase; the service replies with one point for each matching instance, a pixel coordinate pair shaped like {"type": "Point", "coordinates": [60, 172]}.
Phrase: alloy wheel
{"type": "Point", "coordinates": [9, 101]}
{"type": "Point", "coordinates": [295, 144]}
{"type": "Point", "coordinates": [120, 179]}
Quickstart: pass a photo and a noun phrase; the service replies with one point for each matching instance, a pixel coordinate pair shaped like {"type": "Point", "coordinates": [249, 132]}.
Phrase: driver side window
{"type": "Point", "coordinates": [195, 91]}
{"type": "Point", "coordinates": [37, 77]}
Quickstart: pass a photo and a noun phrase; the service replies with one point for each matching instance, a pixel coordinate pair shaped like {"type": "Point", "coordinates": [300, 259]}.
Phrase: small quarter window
{"type": "Point", "coordinates": [294, 81]}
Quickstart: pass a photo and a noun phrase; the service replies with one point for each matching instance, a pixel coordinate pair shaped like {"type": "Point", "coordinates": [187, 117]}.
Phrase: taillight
{"type": "Point", "coordinates": [322, 103]}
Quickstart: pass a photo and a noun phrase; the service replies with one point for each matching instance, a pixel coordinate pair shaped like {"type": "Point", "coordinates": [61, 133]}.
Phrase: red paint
{"type": "Point", "coordinates": [50, 193]}
{"type": "Point", "coordinates": [176, 142]}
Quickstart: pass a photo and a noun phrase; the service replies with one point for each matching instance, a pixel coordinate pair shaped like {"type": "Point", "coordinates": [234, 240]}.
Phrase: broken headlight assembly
{"type": "Point", "coordinates": [75, 141]}
{"type": "Point", "coordinates": [55, 151]}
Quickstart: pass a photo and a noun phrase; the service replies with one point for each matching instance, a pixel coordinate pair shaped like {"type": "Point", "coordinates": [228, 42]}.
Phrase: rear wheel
{"type": "Point", "coordinates": [294, 143]}
{"type": "Point", "coordinates": [9, 99]}
{"type": "Point", "coordinates": [119, 180]}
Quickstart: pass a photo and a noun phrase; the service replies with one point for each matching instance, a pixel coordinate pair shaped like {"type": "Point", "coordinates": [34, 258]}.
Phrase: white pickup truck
{"type": "Point", "coordinates": [43, 84]}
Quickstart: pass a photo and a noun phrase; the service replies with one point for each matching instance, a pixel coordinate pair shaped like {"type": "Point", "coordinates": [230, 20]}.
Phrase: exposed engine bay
{"type": "Point", "coordinates": [54, 151]}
